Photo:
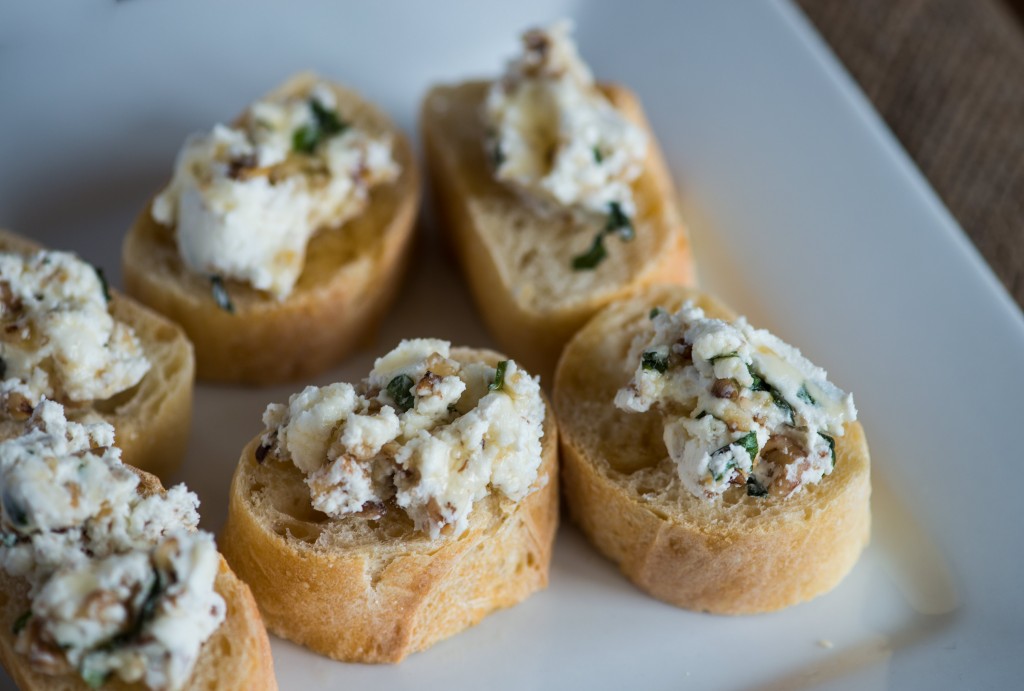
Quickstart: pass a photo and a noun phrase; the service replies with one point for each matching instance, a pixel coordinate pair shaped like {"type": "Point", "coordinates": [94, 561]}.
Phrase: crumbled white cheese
{"type": "Point", "coordinates": [422, 429]}
{"type": "Point", "coordinates": [159, 603]}
{"type": "Point", "coordinates": [245, 200]}
{"type": "Point", "coordinates": [59, 340]}
{"type": "Point", "coordinates": [740, 406]}
{"type": "Point", "coordinates": [119, 583]}
{"type": "Point", "coordinates": [555, 136]}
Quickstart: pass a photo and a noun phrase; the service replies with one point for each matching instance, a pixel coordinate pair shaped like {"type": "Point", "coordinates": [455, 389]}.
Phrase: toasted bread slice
{"type": "Point", "coordinates": [152, 419]}
{"type": "Point", "coordinates": [352, 274]}
{"type": "Point", "coordinates": [374, 590]}
{"type": "Point", "coordinates": [737, 555]}
{"type": "Point", "coordinates": [235, 657]}
{"type": "Point", "coordinates": [518, 260]}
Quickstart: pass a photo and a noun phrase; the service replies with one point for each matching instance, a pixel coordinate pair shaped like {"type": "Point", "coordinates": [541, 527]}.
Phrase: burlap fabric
{"type": "Point", "coordinates": [948, 77]}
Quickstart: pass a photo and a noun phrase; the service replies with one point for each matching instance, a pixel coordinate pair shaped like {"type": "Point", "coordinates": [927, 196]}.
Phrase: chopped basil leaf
{"type": "Point", "coordinates": [499, 376]}
{"type": "Point", "coordinates": [597, 155]}
{"type": "Point", "coordinates": [702, 414]}
{"type": "Point", "coordinates": [103, 283]}
{"type": "Point", "coordinates": [3, 368]}
{"type": "Point", "coordinates": [220, 294]}
{"type": "Point", "coordinates": [758, 384]}
{"type": "Point", "coordinates": [592, 257]}
{"type": "Point", "coordinates": [723, 356]}
{"type": "Point", "coordinates": [831, 445]}
{"type": "Point", "coordinates": [731, 465]}
{"type": "Point", "coordinates": [327, 120]}
{"type": "Point", "coordinates": [326, 124]}
{"type": "Point", "coordinates": [755, 488]}
{"type": "Point", "coordinates": [400, 390]}
{"type": "Point", "coordinates": [497, 155]}
{"type": "Point", "coordinates": [21, 622]}
{"type": "Point", "coordinates": [618, 222]}
{"type": "Point", "coordinates": [749, 442]}
{"type": "Point", "coordinates": [305, 139]}
{"type": "Point", "coordinates": [805, 397]}
{"type": "Point", "coordinates": [655, 311]}
{"type": "Point", "coordinates": [653, 360]}
{"type": "Point", "coordinates": [781, 402]}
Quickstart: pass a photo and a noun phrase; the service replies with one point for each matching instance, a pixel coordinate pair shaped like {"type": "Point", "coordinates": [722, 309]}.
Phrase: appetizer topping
{"type": "Point", "coordinates": [246, 199]}
{"type": "Point", "coordinates": [557, 138]}
{"type": "Point", "coordinates": [58, 339]}
{"type": "Point", "coordinates": [740, 406]}
{"type": "Point", "coordinates": [120, 583]}
{"type": "Point", "coordinates": [424, 432]}
{"type": "Point", "coordinates": [141, 616]}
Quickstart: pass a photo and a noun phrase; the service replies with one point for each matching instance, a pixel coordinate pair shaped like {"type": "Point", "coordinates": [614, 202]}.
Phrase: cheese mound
{"type": "Point", "coordinates": [120, 584]}
{"type": "Point", "coordinates": [59, 340]}
{"type": "Point", "coordinates": [246, 199]}
{"type": "Point", "coordinates": [555, 136]}
{"type": "Point", "coordinates": [424, 431]}
{"type": "Point", "coordinates": [740, 406]}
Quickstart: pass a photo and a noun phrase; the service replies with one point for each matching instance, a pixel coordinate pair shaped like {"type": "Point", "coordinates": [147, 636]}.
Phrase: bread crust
{"type": "Point", "coordinates": [498, 236]}
{"type": "Point", "coordinates": [151, 420]}
{"type": "Point", "coordinates": [394, 591]}
{"type": "Point", "coordinates": [235, 658]}
{"type": "Point", "coordinates": [351, 277]}
{"type": "Point", "coordinates": [739, 555]}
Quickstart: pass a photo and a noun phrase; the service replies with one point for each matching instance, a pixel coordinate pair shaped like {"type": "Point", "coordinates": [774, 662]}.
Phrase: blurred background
{"type": "Point", "coordinates": [948, 77]}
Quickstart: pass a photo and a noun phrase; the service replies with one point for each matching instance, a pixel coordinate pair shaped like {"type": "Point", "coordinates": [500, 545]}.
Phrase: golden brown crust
{"type": "Point", "coordinates": [517, 261]}
{"type": "Point", "coordinates": [736, 556]}
{"type": "Point", "coordinates": [235, 658]}
{"type": "Point", "coordinates": [151, 420]}
{"type": "Point", "coordinates": [352, 275]}
{"type": "Point", "coordinates": [388, 591]}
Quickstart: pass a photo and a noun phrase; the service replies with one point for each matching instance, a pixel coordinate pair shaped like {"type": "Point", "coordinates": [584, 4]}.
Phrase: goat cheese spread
{"type": "Point", "coordinates": [555, 136]}
{"type": "Point", "coordinates": [740, 406]}
{"type": "Point", "coordinates": [120, 584]}
{"type": "Point", "coordinates": [246, 199]}
{"type": "Point", "coordinates": [430, 433]}
{"type": "Point", "coordinates": [59, 340]}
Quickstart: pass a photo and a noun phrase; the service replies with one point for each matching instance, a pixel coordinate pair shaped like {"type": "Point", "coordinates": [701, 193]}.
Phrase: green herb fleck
{"type": "Point", "coordinates": [326, 124]}
{"type": "Point", "coordinates": [653, 360]}
{"type": "Point", "coordinates": [592, 257]}
{"type": "Point", "coordinates": [749, 442]}
{"type": "Point", "coordinates": [220, 294]}
{"type": "Point", "coordinates": [597, 154]}
{"type": "Point", "coordinates": [755, 488]}
{"type": "Point", "coordinates": [103, 283]}
{"type": "Point", "coordinates": [618, 222]}
{"type": "Point", "coordinates": [8, 539]}
{"type": "Point", "coordinates": [781, 402]}
{"type": "Point", "coordinates": [655, 312]}
{"type": "Point", "coordinates": [731, 465]}
{"type": "Point", "coordinates": [21, 622]}
{"type": "Point", "coordinates": [723, 356]}
{"type": "Point", "coordinates": [499, 376]}
{"type": "Point", "coordinates": [703, 414]}
{"type": "Point", "coordinates": [758, 383]}
{"type": "Point", "coordinates": [831, 446]}
{"type": "Point", "coordinates": [3, 368]}
{"type": "Point", "coordinates": [805, 397]}
{"type": "Point", "coordinates": [400, 390]}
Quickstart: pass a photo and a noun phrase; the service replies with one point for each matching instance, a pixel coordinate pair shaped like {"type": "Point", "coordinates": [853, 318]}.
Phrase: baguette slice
{"type": "Point", "coordinates": [739, 555]}
{"type": "Point", "coordinates": [152, 419]}
{"type": "Point", "coordinates": [516, 258]}
{"type": "Point", "coordinates": [364, 590]}
{"type": "Point", "coordinates": [235, 657]}
{"type": "Point", "coordinates": [352, 274]}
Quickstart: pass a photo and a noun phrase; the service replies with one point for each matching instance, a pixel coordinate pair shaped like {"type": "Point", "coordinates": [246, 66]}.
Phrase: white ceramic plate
{"type": "Point", "coordinates": [805, 214]}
